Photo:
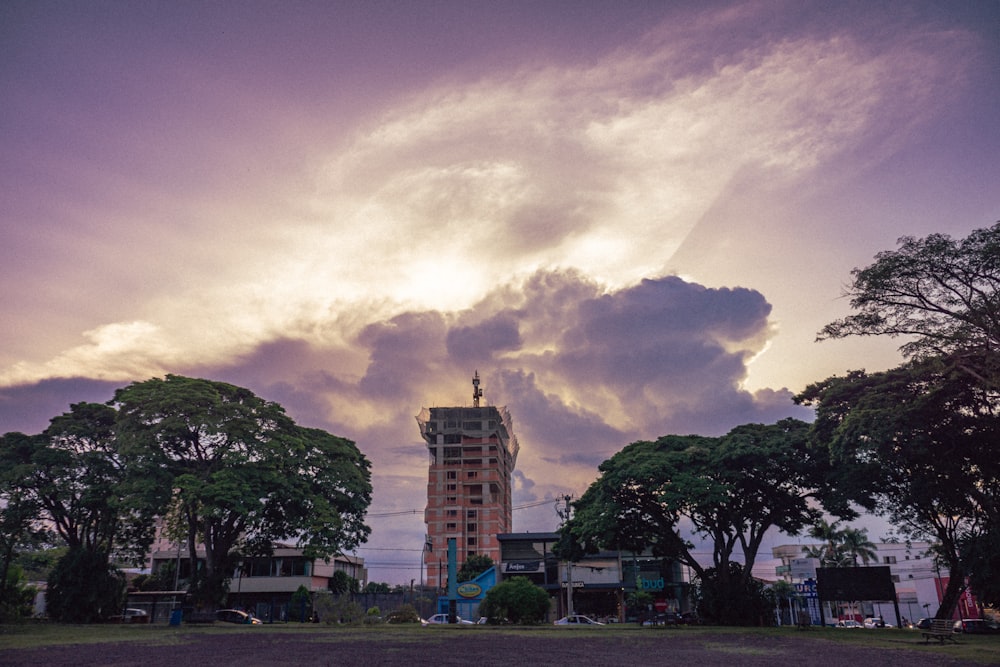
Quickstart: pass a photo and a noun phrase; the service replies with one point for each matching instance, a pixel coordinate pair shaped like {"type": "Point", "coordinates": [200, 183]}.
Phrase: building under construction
{"type": "Point", "coordinates": [472, 455]}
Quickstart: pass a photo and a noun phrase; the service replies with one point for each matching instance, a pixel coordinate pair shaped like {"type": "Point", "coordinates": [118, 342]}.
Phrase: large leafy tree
{"type": "Point", "coordinates": [916, 443]}
{"type": "Point", "coordinates": [942, 295]}
{"type": "Point", "coordinates": [79, 480]}
{"type": "Point", "coordinates": [241, 474]}
{"type": "Point", "coordinates": [74, 476]}
{"type": "Point", "coordinates": [730, 490]}
{"type": "Point", "coordinates": [19, 516]}
{"type": "Point", "coordinates": [474, 565]}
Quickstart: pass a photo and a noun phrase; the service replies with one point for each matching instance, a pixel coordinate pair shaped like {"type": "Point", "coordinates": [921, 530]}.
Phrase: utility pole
{"type": "Point", "coordinates": [565, 512]}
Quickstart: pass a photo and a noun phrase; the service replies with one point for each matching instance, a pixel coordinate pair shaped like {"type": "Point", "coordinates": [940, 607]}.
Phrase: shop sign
{"type": "Point", "coordinates": [469, 589]}
{"type": "Point", "coordinates": [523, 566]}
{"type": "Point", "coordinates": [651, 584]}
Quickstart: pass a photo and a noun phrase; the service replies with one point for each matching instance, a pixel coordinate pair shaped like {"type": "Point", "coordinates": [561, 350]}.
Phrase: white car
{"type": "Point", "coordinates": [442, 619]}
{"type": "Point", "coordinates": [135, 616]}
{"type": "Point", "coordinates": [576, 620]}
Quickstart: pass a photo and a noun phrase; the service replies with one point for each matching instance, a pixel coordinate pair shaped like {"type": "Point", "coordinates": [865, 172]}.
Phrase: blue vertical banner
{"type": "Point", "coordinates": [452, 577]}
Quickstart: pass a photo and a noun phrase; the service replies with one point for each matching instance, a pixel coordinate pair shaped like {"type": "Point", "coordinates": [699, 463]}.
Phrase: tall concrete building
{"type": "Point", "coordinates": [472, 455]}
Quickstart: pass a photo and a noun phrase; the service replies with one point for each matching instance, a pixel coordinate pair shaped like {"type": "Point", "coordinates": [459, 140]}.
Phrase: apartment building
{"type": "Point", "coordinates": [472, 451]}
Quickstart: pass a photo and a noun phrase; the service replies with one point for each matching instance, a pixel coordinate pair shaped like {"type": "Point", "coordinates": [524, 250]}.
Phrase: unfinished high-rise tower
{"type": "Point", "coordinates": [472, 455]}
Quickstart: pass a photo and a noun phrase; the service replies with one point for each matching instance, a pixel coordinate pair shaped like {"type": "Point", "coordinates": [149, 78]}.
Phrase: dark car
{"type": "Point", "coordinates": [690, 618]}
{"type": "Point", "coordinates": [975, 626]}
{"type": "Point", "coordinates": [663, 618]}
{"type": "Point", "coordinates": [923, 624]}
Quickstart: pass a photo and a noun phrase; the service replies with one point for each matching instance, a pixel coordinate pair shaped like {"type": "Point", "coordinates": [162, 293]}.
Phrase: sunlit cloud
{"type": "Point", "coordinates": [603, 168]}
{"type": "Point", "coordinates": [587, 231]}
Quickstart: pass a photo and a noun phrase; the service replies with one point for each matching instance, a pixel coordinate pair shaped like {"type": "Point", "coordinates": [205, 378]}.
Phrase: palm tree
{"type": "Point", "coordinates": [830, 553]}
{"type": "Point", "coordinates": [855, 544]}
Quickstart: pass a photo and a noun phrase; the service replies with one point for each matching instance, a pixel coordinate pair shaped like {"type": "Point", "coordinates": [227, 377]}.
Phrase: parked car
{"type": "Point", "coordinates": [236, 616]}
{"type": "Point", "coordinates": [135, 616]}
{"type": "Point", "coordinates": [576, 619]}
{"type": "Point", "coordinates": [975, 626]}
{"type": "Point", "coordinates": [442, 619]}
{"type": "Point", "coordinates": [663, 618]}
{"type": "Point", "coordinates": [690, 618]}
{"type": "Point", "coordinates": [879, 622]}
{"type": "Point", "coordinates": [922, 624]}
{"type": "Point", "coordinates": [848, 623]}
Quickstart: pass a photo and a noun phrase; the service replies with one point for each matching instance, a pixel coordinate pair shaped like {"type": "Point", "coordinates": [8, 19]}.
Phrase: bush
{"type": "Point", "coordinates": [84, 588]}
{"type": "Point", "coordinates": [300, 605]}
{"type": "Point", "coordinates": [16, 597]}
{"type": "Point", "coordinates": [726, 601]}
{"type": "Point", "coordinates": [405, 614]}
{"type": "Point", "coordinates": [515, 600]}
{"type": "Point", "coordinates": [333, 609]}
{"type": "Point", "coordinates": [373, 616]}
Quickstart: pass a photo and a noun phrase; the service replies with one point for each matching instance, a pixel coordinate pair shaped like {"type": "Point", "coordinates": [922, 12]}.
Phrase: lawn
{"type": "Point", "coordinates": [223, 644]}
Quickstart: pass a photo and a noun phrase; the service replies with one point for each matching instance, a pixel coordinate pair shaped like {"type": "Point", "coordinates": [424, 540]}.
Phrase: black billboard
{"type": "Point", "coordinates": [854, 583]}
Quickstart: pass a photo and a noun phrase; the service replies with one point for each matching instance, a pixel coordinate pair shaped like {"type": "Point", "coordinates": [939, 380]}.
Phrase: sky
{"type": "Point", "coordinates": [630, 218]}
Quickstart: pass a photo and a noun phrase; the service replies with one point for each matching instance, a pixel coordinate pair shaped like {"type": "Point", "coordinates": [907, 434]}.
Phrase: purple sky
{"type": "Point", "coordinates": [631, 218]}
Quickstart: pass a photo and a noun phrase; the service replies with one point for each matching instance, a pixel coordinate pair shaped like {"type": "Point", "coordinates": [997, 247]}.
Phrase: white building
{"type": "Point", "coordinates": [918, 582]}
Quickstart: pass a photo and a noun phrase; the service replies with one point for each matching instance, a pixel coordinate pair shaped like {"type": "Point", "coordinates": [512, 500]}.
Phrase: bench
{"type": "Point", "coordinates": [941, 630]}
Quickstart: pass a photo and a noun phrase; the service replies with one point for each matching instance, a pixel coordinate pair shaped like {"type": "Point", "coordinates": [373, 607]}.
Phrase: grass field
{"type": "Point", "coordinates": [738, 644]}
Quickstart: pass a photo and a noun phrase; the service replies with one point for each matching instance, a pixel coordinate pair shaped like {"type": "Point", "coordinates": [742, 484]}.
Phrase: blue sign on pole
{"type": "Point", "coordinates": [807, 589]}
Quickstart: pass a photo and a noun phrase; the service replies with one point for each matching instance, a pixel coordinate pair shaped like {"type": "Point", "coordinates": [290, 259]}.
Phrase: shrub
{"type": "Point", "coordinates": [515, 600]}
{"type": "Point", "coordinates": [332, 609]}
{"type": "Point", "coordinates": [405, 614]}
{"type": "Point", "coordinates": [84, 588]}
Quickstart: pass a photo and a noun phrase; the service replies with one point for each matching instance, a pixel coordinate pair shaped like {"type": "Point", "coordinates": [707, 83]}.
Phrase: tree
{"type": "Point", "coordinates": [515, 600]}
{"type": "Point", "coordinates": [982, 552]}
{"type": "Point", "coordinates": [733, 598]}
{"type": "Point", "coordinates": [856, 545]}
{"type": "Point", "coordinates": [731, 489]}
{"type": "Point", "coordinates": [785, 595]}
{"type": "Point", "coordinates": [828, 553]}
{"type": "Point", "coordinates": [300, 606]}
{"type": "Point", "coordinates": [341, 583]}
{"type": "Point", "coordinates": [916, 443]}
{"type": "Point", "coordinates": [19, 514]}
{"type": "Point", "coordinates": [72, 474]}
{"type": "Point", "coordinates": [842, 547]}
{"type": "Point", "coordinates": [375, 588]}
{"type": "Point", "coordinates": [943, 295]}
{"type": "Point", "coordinates": [240, 473]}
{"type": "Point", "coordinates": [84, 588]}
{"type": "Point", "coordinates": [474, 565]}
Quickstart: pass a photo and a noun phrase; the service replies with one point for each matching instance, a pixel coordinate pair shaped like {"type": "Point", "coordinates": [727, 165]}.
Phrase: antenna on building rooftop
{"type": "Point", "coordinates": [477, 393]}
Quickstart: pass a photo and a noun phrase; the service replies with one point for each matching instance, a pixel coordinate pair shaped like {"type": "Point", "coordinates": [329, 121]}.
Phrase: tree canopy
{"type": "Point", "coordinates": [942, 294]}
{"type": "Point", "coordinates": [474, 565]}
{"type": "Point", "coordinates": [923, 435]}
{"type": "Point", "coordinates": [916, 443]}
{"type": "Point", "coordinates": [840, 547]}
{"type": "Point", "coordinates": [730, 490]}
{"type": "Point", "coordinates": [240, 473]}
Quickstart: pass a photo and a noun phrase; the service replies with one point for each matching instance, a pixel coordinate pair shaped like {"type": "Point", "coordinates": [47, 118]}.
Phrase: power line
{"type": "Point", "coordinates": [378, 515]}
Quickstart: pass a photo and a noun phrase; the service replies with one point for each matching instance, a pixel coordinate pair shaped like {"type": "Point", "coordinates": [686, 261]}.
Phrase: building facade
{"type": "Point", "coordinates": [265, 584]}
{"type": "Point", "coordinates": [918, 580]}
{"type": "Point", "coordinates": [472, 452]}
{"type": "Point", "coordinates": [599, 585]}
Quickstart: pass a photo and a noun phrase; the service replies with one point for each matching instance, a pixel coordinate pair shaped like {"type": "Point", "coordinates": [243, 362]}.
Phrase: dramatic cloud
{"type": "Point", "coordinates": [630, 221]}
